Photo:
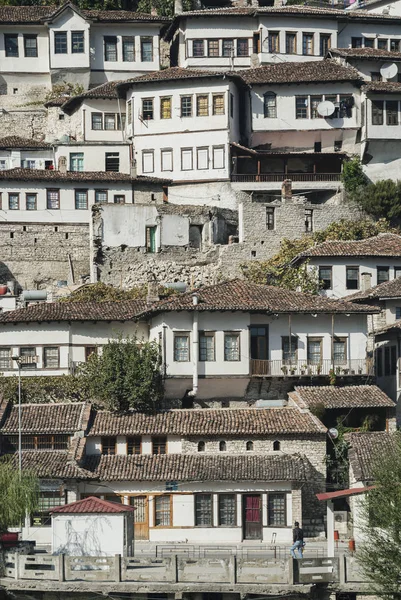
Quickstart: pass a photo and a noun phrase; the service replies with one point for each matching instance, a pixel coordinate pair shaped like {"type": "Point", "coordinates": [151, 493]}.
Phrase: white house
{"type": "Point", "coordinates": [18, 152]}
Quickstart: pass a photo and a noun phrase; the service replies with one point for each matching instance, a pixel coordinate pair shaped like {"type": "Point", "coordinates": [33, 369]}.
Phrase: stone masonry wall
{"type": "Point", "coordinates": [23, 122]}
{"type": "Point", "coordinates": [37, 255]}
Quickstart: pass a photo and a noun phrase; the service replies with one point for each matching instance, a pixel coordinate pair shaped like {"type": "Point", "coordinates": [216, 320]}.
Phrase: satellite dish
{"type": "Point", "coordinates": [388, 70]}
{"type": "Point", "coordinates": [326, 108]}
{"type": "Point", "coordinates": [333, 433]}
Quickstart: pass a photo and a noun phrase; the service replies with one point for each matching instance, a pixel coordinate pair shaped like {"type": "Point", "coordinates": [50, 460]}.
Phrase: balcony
{"type": "Point", "coordinates": [279, 177]}
{"type": "Point", "coordinates": [300, 368]}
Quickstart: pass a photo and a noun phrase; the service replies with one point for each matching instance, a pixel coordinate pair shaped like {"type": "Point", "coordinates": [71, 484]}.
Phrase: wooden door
{"type": "Point", "coordinates": [252, 516]}
{"type": "Point", "coordinates": [141, 517]}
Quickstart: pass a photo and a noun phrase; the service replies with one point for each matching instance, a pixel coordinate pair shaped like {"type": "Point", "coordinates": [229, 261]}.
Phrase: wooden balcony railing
{"type": "Point", "coordinates": [279, 177]}
{"type": "Point", "coordinates": [301, 368]}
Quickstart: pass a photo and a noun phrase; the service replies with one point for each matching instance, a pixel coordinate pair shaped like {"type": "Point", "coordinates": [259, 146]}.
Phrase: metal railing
{"type": "Point", "coordinates": [301, 368]}
{"type": "Point", "coordinates": [279, 177]}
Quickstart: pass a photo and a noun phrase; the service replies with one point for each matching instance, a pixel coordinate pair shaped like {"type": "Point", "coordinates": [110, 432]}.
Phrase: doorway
{"type": "Point", "coordinates": [252, 516]}
{"type": "Point", "coordinates": [141, 517]}
{"type": "Point", "coordinates": [260, 342]}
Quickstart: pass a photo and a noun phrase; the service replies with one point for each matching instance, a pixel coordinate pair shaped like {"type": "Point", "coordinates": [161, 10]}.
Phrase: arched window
{"type": "Point", "coordinates": [201, 446]}
{"type": "Point", "coordinates": [276, 445]}
{"type": "Point", "coordinates": [222, 446]}
{"type": "Point", "coordinates": [249, 446]}
{"type": "Point", "coordinates": [270, 105]}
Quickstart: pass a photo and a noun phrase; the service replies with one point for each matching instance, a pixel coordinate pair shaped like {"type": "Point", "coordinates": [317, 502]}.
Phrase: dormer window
{"type": "Point", "coordinates": [270, 105]}
{"type": "Point", "coordinates": [60, 42]}
{"type": "Point", "coordinates": [109, 446]}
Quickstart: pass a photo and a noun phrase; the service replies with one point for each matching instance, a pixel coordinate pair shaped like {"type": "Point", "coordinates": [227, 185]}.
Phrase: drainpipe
{"type": "Point", "coordinates": [195, 348]}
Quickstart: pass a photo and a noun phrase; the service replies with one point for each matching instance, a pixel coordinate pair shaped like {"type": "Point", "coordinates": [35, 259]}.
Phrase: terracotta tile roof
{"type": "Point", "coordinates": [59, 101]}
{"type": "Point", "coordinates": [39, 14]}
{"type": "Point", "coordinates": [198, 422]}
{"type": "Point", "coordinates": [365, 53]}
{"type": "Point", "coordinates": [114, 16]}
{"type": "Point", "coordinates": [358, 396]}
{"type": "Point", "coordinates": [76, 311]}
{"type": "Point", "coordinates": [51, 464]}
{"type": "Point", "coordinates": [106, 91]}
{"type": "Point", "coordinates": [73, 176]}
{"type": "Point", "coordinates": [301, 11]}
{"type": "Point", "coordinates": [16, 142]}
{"type": "Point", "coordinates": [24, 14]}
{"type": "Point", "coordinates": [199, 467]}
{"type": "Point", "coordinates": [239, 294]}
{"type": "Point", "coordinates": [46, 418]}
{"type": "Point", "coordinates": [365, 449]}
{"type": "Point", "coordinates": [93, 505]}
{"type": "Point", "coordinates": [384, 244]}
{"type": "Point", "coordinates": [387, 87]}
{"type": "Point", "coordinates": [388, 289]}
{"type": "Point", "coordinates": [177, 74]}
{"type": "Point", "coordinates": [396, 326]}
{"type": "Point", "coordinates": [300, 72]}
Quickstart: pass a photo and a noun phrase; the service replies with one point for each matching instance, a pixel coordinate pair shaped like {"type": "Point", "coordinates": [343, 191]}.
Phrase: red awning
{"type": "Point", "coordinates": [343, 493]}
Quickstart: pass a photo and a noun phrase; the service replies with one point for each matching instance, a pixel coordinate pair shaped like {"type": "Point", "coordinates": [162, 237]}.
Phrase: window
{"type": "Point", "coordinates": [356, 42]}
{"type": "Point", "coordinates": [146, 49]}
{"type": "Point", "coordinates": [159, 445]}
{"type": "Point", "coordinates": [227, 510]}
{"type": "Point", "coordinates": [270, 105]}
{"type": "Point", "coordinates": [112, 161]}
{"type": "Point", "coordinates": [202, 158]}
{"type": "Point", "coordinates": [346, 104]}
{"type": "Point", "coordinates": [13, 201]}
{"type": "Point", "coordinates": [291, 43]}
{"type": "Point", "coordinates": [352, 278]}
{"type": "Point", "coordinates": [47, 501]}
{"type": "Point", "coordinates": [109, 445]}
{"type": "Point", "coordinates": [231, 105]}
{"type": "Point", "coordinates": [166, 160]}
{"type": "Point", "coordinates": [249, 446]}
{"type": "Point", "coordinates": [60, 42]}
{"type": "Point", "coordinates": [201, 446]}
{"type": "Point", "coordinates": [181, 347]}
{"type": "Point", "coordinates": [307, 43]}
{"type": "Point", "coordinates": [218, 157]}
{"type": "Point", "coordinates": [3, 164]}
{"type": "Point", "coordinates": [387, 361]}
{"type": "Point", "coordinates": [395, 45]}
{"type": "Point", "coordinates": [203, 510]}
{"type": "Point", "coordinates": [274, 41]}
{"type": "Point", "coordinates": [377, 112]}
{"type": "Point", "coordinates": [119, 199]}
{"type": "Point", "coordinates": [314, 351]}
{"type": "Point", "coordinates": [393, 360]}
{"type": "Point", "coordinates": [382, 274]}
{"type": "Point", "coordinates": [77, 42]}
{"type": "Point", "coordinates": [162, 511]}
{"type": "Point", "coordinates": [147, 109]}
{"type": "Point", "coordinates": [369, 42]}
{"type": "Point", "coordinates": [128, 49]}
{"type": "Point", "coordinates": [308, 220]}
{"type": "Point", "coordinates": [5, 359]}
{"type": "Point", "coordinates": [40, 442]}
{"type": "Point", "coordinates": [276, 446]}
{"type": "Point", "coordinates": [314, 103]}
{"type": "Point", "coordinates": [213, 48]}
{"type": "Point", "coordinates": [81, 199]}
{"type": "Point", "coordinates": [129, 111]}
{"type": "Point", "coordinates": [231, 347]}
{"type": "Point", "coordinates": [109, 122]}
{"type": "Point", "coordinates": [398, 312]}
{"type": "Point", "coordinates": [77, 161]}
{"type": "Point", "coordinates": [53, 199]}
{"type": "Point", "coordinates": [301, 107]}
{"type": "Point", "coordinates": [133, 445]}
{"type": "Point", "coordinates": [100, 196]}
{"type": "Point", "coordinates": [339, 350]}
{"type": "Point", "coordinates": [325, 43]}
{"type": "Point", "coordinates": [97, 121]}
{"type": "Point", "coordinates": [28, 355]}
{"type": "Point", "coordinates": [326, 277]}
{"type": "Point", "coordinates": [218, 104]}
{"type": "Point", "coordinates": [392, 112]}
{"type": "Point", "coordinates": [202, 106]}
{"type": "Point", "coordinates": [382, 44]}
{"type": "Point", "coordinates": [89, 351]}
{"type": "Point", "coordinates": [198, 48]}
{"type": "Point", "coordinates": [242, 47]}
{"type": "Point", "coordinates": [31, 201]}
{"type": "Point", "coordinates": [222, 446]}
{"type": "Point", "coordinates": [11, 45]}
{"type": "Point", "coordinates": [379, 362]}
{"type": "Point", "coordinates": [276, 510]}
{"type": "Point", "coordinates": [206, 347]}
{"type": "Point", "coordinates": [147, 161]}
{"type": "Point", "coordinates": [375, 76]}
{"type": "Point", "coordinates": [270, 210]}
{"type": "Point", "coordinates": [165, 108]}
{"type": "Point", "coordinates": [30, 45]}
{"type": "Point", "coordinates": [186, 159]}
{"type": "Point", "coordinates": [290, 355]}
{"type": "Point", "coordinates": [110, 49]}
{"type": "Point", "coordinates": [51, 357]}
{"type": "Point", "coordinates": [186, 106]}
{"type": "Point", "coordinates": [228, 48]}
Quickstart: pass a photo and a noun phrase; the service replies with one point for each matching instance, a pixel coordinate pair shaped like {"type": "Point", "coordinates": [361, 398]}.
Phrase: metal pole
{"type": "Point", "coordinates": [19, 421]}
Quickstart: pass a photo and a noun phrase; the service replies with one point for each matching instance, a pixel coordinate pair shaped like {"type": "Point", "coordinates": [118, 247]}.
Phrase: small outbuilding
{"type": "Point", "coordinates": [93, 527]}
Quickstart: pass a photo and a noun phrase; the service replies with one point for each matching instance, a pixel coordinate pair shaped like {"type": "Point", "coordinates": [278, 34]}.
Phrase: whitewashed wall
{"type": "Point", "coordinates": [69, 21]}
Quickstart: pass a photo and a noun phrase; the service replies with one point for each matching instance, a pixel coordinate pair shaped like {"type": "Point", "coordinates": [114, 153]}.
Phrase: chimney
{"type": "Point", "coordinates": [366, 281]}
{"type": "Point", "coordinates": [153, 292]}
{"type": "Point", "coordinates": [178, 7]}
{"type": "Point", "coordinates": [286, 189]}
{"type": "Point", "coordinates": [62, 164]}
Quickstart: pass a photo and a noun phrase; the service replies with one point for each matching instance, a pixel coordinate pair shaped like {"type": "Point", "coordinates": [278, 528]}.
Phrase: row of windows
{"type": "Point", "coordinates": [227, 510]}
{"type": "Point", "coordinates": [108, 121]}
{"type": "Point", "coordinates": [111, 161]}
{"type": "Point", "coordinates": [352, 276]}
{"type": "Point", "coordinates": [77, 42]}
{"type": "Point", "coordinates": [306, 106]}
{"type": "Point", "coordinates": [53, 199]}
{"type": "Point", "coordinates": [390, 108]}
{"type": "Point", "coordinates": [12, 49]}
{"type": "Point", "coordinates": [26, 163]}
{"type": "Point", "coordinates": [205, 158]}
{"type": "Point", "coordinates": [314, 350]}
{"type": "Point", "coordinates": [223, 446]}
{"type": "Point", "coordinates": [37, 442]}
{"type": "Point", "coordinates": [386, 361]}
{"type": "Point", "coordinates": [271, 219]}
{"type": "Point", "coordinates": [380, 43]}
{"type": "Point", "coordinates": [206, 347]}
{"type": "Point", "coordinates": [134, 445]}
{"type": "Point", "coordinates": [111, 49]}
{"type": "Point", "coordinates": [201, 107]}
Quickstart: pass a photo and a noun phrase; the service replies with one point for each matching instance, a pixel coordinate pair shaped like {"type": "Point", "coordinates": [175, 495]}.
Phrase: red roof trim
{"type": "Point", "coordinates": [92, 505]}
{"type": "Point", "coordinates": [343, 493]}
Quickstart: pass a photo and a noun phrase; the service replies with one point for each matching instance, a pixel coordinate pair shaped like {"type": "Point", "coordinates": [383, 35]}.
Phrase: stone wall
{"type": "Point", "coordinates": [27, 122]}
{"type": "Point", "coordinates": [38, 255]}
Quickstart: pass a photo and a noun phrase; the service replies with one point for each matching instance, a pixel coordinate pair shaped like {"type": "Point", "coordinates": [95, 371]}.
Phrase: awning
{"type": "Point", "coordinates": [344, 493]}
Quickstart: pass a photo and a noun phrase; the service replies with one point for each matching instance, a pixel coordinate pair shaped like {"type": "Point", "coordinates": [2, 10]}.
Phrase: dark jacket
{"type": "Point", "coordinates": [297, 535]}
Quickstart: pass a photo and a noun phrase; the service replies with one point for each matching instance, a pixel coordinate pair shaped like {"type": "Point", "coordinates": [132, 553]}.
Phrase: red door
{"type": "Point", "coordinates": [252, 516]}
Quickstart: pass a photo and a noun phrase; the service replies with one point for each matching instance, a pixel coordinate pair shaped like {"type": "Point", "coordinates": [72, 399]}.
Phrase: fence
{"type": "Point", "coordinates": [301, 368]}
{"type": "Point", "coordinates": [279, 177]}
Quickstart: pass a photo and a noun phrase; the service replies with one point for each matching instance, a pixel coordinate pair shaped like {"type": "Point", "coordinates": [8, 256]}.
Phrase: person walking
{"type": "Point", "coordinates": [298, 541]}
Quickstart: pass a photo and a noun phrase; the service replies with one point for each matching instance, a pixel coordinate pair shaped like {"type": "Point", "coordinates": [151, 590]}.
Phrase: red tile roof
{"type": "Point", "coordinates": [350, 396]}
{"type": "Point", "coordinates": [16, 142]}
{"type": "Point", "coordinates": [92, 505]}
{"type": "Point", "coordinates": [46, 418]}
{"type": "Point", "coordinates": [40, 14]}
{"type": "Point", "coordinates": [51, 464]}
{"type": "Point", "coordinates": [366, 53]}
{"type": "Point", "coordinates": [388, 289]}
{"type": "Point", "coordinates": [106, 91]}
{"type": "Point", "coordinates": [198, 422]}
{"type": "Point", "coordinates": [18, 174]}
{"type": "Point", "coordinates": [300, 72]}
{"type": "Point", "coordinates": [385, 87]}
{"type": "Point", "coordinates": [365, 451]}
{"type": "Point", "coordinates": [384, 244]}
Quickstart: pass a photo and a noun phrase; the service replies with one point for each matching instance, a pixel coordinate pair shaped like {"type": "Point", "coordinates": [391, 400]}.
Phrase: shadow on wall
{"type": "Point", "coordinates": [86, 542]}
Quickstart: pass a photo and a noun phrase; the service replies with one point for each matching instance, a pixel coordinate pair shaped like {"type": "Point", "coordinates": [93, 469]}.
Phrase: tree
{"type": "Point", "coordinates": [380, 555]}
{"type": "Point", "coordinates": [127, 375]}
{"type": "Point", "coordinates": [380, 199]}
{"type": "Point", "coordinates": [353, 177]}
{"type": "Point", "coordinates": [18, 495]}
